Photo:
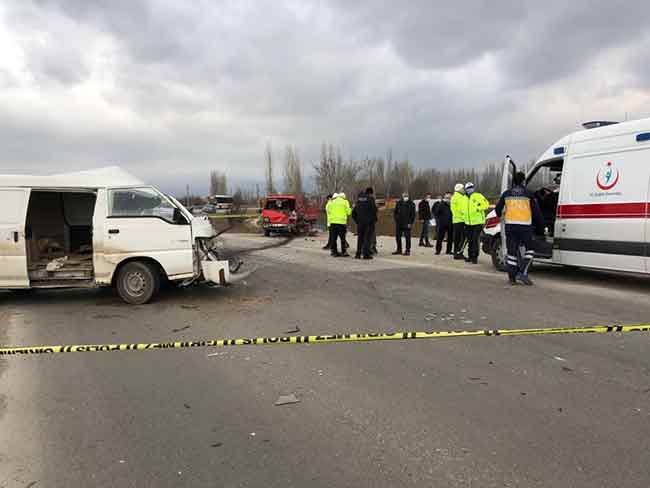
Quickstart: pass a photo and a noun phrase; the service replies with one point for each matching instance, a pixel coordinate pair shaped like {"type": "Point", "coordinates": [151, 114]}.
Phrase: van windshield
{"type": "Point", "coordinates": [280, 204]}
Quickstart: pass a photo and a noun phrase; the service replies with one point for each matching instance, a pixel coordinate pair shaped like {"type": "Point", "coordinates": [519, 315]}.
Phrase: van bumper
{"type": "Point", "coordinates": [278, 227]}
{"type": "Point", "coordinates": [217, 272]}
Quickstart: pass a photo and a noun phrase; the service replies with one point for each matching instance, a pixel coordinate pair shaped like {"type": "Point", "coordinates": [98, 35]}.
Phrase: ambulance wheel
{"type": "Point", "coordinates": [498, 257]}
{"type": "Point", "coordinates": [137, 283]}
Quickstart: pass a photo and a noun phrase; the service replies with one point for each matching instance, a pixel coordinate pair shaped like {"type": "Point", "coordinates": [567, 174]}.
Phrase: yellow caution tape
{"type": "Point", "coordinates": [321, 339]}
{"type": "Point", "coordinates": [233, 216]}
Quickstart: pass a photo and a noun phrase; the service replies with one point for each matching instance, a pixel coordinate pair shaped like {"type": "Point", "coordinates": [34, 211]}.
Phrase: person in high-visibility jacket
{"type": "Point", "coordinates": [327, 216]}
{"type": "Point", "coordinates": [338, 211]}
{"type": "Point", "coordinates": [519, 209]}
{"type": "Point", "coordinates": [458, 218]}
{"type": "Point", "coordinates": [477, 205]}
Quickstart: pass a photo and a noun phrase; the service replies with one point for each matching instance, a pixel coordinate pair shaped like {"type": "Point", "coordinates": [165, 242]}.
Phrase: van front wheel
{"type": "Point", "coordinates": [137, 283]}
{"type": "Point", "coordinates": [498, 258]}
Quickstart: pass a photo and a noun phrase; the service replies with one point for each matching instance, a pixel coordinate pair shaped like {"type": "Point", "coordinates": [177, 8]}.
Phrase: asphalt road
{"type": "Point", "coordinates": [549, 411]}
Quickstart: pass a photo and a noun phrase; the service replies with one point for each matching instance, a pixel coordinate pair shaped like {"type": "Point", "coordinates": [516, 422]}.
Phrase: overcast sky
{"type": "Point", "coordinates": [170, 89]}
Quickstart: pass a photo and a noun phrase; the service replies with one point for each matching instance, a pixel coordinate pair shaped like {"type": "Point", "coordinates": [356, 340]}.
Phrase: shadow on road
{"type": "Point", "coordinates": [583, 276]}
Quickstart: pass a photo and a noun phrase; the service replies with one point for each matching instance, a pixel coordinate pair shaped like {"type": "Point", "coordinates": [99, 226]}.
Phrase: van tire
{"type": "Point", "coordinates": [497, 256]}
{"type": "Point", "coordinates": [137, 283]}
{"type": "Point", "coordinates": [267, 233]}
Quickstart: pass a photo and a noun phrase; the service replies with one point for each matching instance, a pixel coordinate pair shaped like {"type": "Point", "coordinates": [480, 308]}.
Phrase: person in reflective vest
{"type": "Point", "coordinates": [458, 218]}
{"type": "Point", "coordinates": [338, 211]}
{"type": "Point", "coordinates": [520, 212]}
{"type": "Point", "coordinates": [477, 205]}
{"type": "Point", "coordinates": [327, 219]}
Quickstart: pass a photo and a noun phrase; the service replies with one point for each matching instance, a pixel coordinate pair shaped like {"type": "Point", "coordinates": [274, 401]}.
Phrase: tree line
{"type": "Point", "coordinates": [389, 176]}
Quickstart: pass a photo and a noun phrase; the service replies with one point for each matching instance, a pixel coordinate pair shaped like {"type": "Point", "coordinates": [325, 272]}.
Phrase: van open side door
{"type": "Point", "coordinates": [13, 244]}
{"type": "Point", "coordinates": [509, 170]}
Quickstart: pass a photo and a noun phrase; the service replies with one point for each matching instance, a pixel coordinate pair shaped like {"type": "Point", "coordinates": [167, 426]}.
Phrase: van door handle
{"type": "Point", "coordinates": [113, 231]}
{"type": "Point", "coordinates": [16, 236]}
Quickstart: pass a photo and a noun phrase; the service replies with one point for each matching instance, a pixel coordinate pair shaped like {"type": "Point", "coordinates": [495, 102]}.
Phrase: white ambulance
{"type": "Point", "coordinates": [101, 228]}
{"type": "Point", "coordinates": [593, 189]}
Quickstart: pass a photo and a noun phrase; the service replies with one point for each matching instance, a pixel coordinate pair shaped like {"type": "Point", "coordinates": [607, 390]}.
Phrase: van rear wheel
{"type": "Point", "coordinates": [137, 283]}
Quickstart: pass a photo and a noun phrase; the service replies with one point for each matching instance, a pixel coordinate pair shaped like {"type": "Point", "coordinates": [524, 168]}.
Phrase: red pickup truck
{"type": "Point", "coordinates": [288, 214]}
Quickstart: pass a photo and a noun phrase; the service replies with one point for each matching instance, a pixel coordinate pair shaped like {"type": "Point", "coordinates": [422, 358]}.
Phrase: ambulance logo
{"type": "Point", "coordinates": [608, 176]}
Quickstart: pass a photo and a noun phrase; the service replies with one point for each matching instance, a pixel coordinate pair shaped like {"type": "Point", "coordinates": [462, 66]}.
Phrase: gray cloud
{"type": "Point", "coordinates": [171, 89]}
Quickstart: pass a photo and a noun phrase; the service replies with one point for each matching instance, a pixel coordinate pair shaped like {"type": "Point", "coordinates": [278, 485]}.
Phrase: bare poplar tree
{"type": "Point", "coordinates": [218, 183]}
{"type": "Point", "coordinates": [270, 186]}
{"type": "Point", "coordinates": [292, 172]}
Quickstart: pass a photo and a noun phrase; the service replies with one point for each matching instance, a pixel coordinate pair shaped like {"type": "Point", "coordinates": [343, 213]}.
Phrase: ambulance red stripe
{"type": "Point", "coordinates": [627, 210]}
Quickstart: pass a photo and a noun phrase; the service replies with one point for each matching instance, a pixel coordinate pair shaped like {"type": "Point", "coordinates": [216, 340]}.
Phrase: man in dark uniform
{"type": "Point", "coordinates": [373, 231]}
{"type": "Point", "coordinates": [519, 210]}
{"type": "Point", "coordinates": [364, 215]}
{"type": "Point", "coordinates": [424, 214]}
{"type": "Point", "coordinates": [442, 214]}
{"type": "Point", "coordinates": [404, 216]}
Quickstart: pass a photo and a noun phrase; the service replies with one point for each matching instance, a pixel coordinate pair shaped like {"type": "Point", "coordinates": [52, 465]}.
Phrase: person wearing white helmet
{"type": "Point", "coordinates": [458, 218]}
{"type": "Point", "coordinates": [338, 211]}
{"type": "Point", "coordinates": [477, 205]}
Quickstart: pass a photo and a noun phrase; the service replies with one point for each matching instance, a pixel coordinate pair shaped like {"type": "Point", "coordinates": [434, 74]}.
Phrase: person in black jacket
{"type": "Point", "coordinates": [373, 231]}
{"type": "Point", "coordinates": [424, 214]}
{"type": "Point", "coordinates": [404, 216]}
{"type": "Point", "coordinates": [442, 214]}
{"type": "Point", "coordinates": [364, 215]}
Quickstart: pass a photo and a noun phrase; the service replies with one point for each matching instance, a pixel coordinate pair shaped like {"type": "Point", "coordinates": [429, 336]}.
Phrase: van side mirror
{"type": "Point", "coordinates": [179, 218]}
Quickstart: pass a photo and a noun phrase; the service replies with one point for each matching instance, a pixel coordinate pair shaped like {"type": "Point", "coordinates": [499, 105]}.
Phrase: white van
{"type": "Point", "coordinates": [101, 228]}
{"type": "Point", "coordinates": [593, 189]}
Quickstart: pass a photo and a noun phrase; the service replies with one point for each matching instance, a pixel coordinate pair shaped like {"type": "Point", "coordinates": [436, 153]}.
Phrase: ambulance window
{"type": "Point", "coordinates": [546, 176]}
{"type": "Point", "coordinates": [543, 177]}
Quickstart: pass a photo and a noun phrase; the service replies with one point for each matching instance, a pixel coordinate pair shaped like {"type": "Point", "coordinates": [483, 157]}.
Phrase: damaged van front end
{"type": "Point", "coordinates": [208, 266]}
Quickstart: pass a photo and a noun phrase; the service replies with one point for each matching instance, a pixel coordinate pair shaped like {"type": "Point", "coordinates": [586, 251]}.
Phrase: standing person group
{"type": "Point", "coordinates": [468, 208]}
{"type": "Point", "coordinates": [459, 218]}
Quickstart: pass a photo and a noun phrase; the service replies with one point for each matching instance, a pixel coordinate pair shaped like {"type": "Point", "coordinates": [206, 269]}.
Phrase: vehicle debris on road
{"type": "Point", "coordinates": [286, 400]}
